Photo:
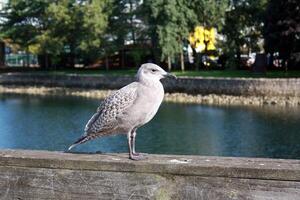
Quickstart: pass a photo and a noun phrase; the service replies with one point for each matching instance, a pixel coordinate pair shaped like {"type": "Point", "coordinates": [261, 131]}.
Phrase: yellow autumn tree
{"type": "Point", "coordinates": [203, 39]}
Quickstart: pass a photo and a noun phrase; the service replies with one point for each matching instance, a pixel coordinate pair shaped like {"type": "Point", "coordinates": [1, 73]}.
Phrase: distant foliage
{"type": "Point", "coordinates": [209, 13]}
{"type": "Point", "coordinates": [243, 27]}
{"type": "Point", "coordinates": [23, 21]}
{"type": "Point", "coordinates": [172, 21]}
{"type": "Point", "coordinates": [56, 27]}
{"type": "Point", "coordinates": [65, 32]}
{"type": "Point", "coordinates": [282, 29]}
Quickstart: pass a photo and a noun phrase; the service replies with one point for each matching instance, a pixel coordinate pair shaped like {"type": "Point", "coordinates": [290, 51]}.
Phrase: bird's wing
{"type": "Point", "coordinates": [105, 118]}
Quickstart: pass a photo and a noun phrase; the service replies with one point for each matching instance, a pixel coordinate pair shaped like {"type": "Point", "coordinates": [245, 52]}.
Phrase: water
{"type": "Point", "coordinates": [53, 123]}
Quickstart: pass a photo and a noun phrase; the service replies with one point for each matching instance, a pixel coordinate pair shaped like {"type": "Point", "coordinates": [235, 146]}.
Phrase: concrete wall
{"type": "Point", "coordinates": [229, 86]}
{"type": "Point", "coordinates": [56, 175]}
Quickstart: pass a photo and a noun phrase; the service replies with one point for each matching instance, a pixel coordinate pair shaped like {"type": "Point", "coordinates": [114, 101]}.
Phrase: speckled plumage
{"type": "Point", "coordinates": [105, 119]}
{"type": "Point", "coordinates": [129, 108]}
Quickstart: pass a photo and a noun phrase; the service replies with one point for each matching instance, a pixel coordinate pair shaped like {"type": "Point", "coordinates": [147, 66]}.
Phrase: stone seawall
{"type": "Point", "coordinates": [191, 85]}
{"type": "Point", "coordinates": [56, 175]}
{"type": "Point", "coordinates": [212, 91]}
{"type": "Point", "coordinates": [210, 99]}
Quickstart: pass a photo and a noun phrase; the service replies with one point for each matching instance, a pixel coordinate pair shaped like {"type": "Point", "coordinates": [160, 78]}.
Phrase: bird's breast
{"type": "Point", "coordinates": [147, 105]}
{"type": "Point", "coordinates": [153, 101]}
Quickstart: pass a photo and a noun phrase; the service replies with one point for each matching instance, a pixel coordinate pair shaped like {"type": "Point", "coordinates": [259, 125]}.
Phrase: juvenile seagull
{"type": "Point", "coordinates": [129, 108]}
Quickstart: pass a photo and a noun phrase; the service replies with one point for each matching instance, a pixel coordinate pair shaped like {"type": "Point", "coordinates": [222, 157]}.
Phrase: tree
{"type": "Point", "coordinates": [209, 13]}
{"type": "Point", "coordinates": [243, 26]}
{"type": "Point", "coordinates": [170, 21]}
{"type": "Point", "coordinates": [282, 29]}
{"type": "Point", "coordinates": [83, 22]}
{"type": "Point", "coordinates": [126, 27]}
{"type": "Point", "coordinates": [57, 28]}
{"type": "Point", "coordinates": [125, 21]}
{"type": "Point", "coordinates": [23, 25]}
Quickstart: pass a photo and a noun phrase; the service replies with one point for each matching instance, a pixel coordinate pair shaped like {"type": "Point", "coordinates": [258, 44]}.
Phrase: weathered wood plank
{"type": "Point", "coordinates": [57, 175]}
{"type": "Point", "coordinates": [39, 183]}
{"type": "Point", "coordinates": [254, 168]}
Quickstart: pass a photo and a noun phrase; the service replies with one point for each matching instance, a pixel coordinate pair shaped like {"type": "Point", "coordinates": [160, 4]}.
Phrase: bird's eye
{"type": "Point", "coordinates": [153, 70]}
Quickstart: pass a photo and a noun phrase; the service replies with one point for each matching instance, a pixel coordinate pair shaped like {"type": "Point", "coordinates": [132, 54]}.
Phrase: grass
{"type": "Point", "coordinates": [240, 73]}
{"type": "Point", "coordinates": [201, 73]}
{"type": "Point", "coordinates": [210, 73]}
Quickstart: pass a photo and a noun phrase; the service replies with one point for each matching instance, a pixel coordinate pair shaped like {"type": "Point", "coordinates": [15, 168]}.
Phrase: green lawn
{"type": "Point", "coordinates": [202, 73]}
{"type": "Point", "coordinates": [210, 73]}
{"type": "Point", "coordinates": [240, 73]}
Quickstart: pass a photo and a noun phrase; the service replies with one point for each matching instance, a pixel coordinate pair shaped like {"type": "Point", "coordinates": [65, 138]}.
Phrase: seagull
{"type": "Point", "coordinates": [128, 108]}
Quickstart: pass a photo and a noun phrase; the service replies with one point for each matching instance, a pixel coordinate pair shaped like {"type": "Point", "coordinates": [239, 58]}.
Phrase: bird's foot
{"type": "Point", "coordinates": [138, 156]}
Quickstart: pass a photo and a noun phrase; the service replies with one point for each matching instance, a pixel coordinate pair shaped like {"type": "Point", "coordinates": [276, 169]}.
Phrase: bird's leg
{"type": "Point", "coordinates": [133, 135]}
{"type": "Point", "coordinates": [131, 145]}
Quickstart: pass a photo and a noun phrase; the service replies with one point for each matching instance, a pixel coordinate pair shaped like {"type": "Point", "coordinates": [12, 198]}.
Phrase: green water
{"type": "Point", "coordinates": [53, 123]}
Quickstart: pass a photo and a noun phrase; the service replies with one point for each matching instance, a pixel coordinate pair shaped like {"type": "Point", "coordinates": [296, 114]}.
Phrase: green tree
{"type": "Point", "coordinates": [126, 26]}
{"type": "Point", "coordinates": [243, 26]}
{"type": "Point", "coordinates": [170, 20]}
{"type": "Point", "coordinates": [125, 21]}
{"type": "Point", "coordinates": [209, 13]}
{"type": "Point", "coordinates": [21, 24]}
{"type": "Point", "coordinates": [57, 28]}
{"type": "Point", "coordinates": [282, 29]}
{"type": "Point", "coordinates": [83, 24]}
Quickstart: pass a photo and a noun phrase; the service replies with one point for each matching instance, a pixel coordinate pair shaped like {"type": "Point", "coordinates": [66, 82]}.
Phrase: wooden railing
{"type": "Point", "coordinates": [28, 174]}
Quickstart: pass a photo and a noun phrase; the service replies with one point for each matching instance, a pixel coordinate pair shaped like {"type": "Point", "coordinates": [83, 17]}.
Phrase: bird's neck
{"type": "Point", "coordinates": [149, 82]}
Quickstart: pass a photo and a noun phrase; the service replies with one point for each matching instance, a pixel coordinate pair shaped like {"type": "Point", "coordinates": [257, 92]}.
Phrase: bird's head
{"type": "Point", "coordinates": [152, 72]}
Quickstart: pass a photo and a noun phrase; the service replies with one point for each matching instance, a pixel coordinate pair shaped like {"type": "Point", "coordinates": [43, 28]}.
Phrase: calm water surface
{"type": "Point", "coordinates": [53, 123]}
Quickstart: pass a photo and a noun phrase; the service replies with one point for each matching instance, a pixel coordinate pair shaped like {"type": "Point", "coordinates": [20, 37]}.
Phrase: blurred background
{"type": "Point", "coordinates": [255, 35]}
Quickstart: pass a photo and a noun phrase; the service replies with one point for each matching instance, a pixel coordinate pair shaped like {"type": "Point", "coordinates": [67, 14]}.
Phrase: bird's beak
{"type": "Point", "coordinates": [169, 75]}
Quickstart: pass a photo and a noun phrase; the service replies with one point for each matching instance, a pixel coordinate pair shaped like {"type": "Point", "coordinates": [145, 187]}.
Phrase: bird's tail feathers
{"type": "Point", "coordinates": [82, 140]}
